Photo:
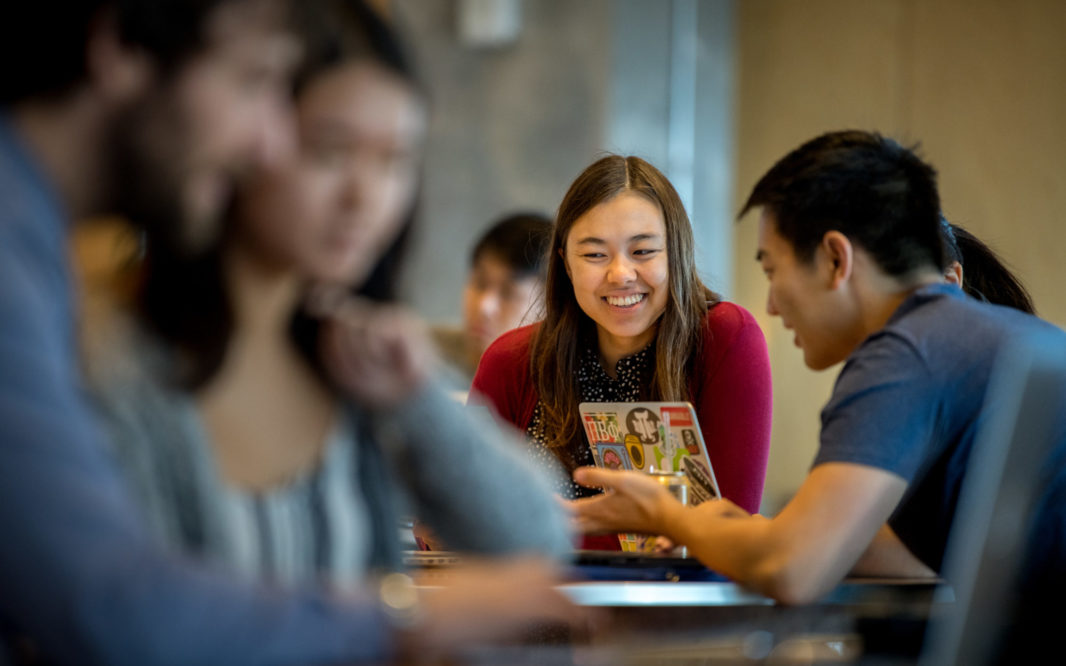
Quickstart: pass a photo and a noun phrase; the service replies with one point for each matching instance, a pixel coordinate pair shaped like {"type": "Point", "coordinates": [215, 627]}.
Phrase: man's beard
{"type": "Point", "coordinates": [149, 176]}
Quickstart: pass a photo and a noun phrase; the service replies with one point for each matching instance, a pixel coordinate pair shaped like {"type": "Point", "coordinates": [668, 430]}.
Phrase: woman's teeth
{"type": "Point", "coordinates": [623, 301]}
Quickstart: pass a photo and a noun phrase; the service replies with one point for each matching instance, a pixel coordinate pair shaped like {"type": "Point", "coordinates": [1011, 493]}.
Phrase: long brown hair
{"type": "Point", "coordinates": [558, 341]}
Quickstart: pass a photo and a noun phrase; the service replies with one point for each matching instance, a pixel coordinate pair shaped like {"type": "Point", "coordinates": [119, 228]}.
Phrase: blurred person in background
{"type": "Point", "coordinates": [504, 288]}
{"type": "Point", "coordinates": [272, 441]}
{"type": "Point", "coordinates": [980, 272]}
{"type": "Point", "coordinates": [150, 110]}
{"type": "Point", "coordinates": [627, 318]}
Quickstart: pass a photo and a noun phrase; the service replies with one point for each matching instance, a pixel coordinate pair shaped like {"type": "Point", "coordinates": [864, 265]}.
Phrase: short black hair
{"type": "Point", "coordinates": [520, 240]}
{"type": "Point", "coordinates": [43, 45]}
{"type": "Point", "coordinates": [880, 195]}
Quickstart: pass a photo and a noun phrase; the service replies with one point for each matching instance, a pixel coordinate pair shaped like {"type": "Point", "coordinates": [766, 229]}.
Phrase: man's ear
{"type": "Point", "coordinates": [117, 71]}
{"type": "Point", "coordinates": [840, 255]}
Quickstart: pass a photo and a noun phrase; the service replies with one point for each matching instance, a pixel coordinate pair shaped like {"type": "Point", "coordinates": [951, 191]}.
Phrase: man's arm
{"type": "Point", "coordinates": [796, 557]}
{"type": "Point", "coordinates": [888, 557]}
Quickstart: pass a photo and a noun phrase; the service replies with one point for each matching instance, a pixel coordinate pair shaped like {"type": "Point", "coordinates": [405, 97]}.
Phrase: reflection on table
{"type": "Point", "coordinates": [675, 622]}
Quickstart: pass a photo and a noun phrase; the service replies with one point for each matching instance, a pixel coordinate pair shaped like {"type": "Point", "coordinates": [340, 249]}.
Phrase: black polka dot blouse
{"type": "Point", "coordinates": [594, 385]}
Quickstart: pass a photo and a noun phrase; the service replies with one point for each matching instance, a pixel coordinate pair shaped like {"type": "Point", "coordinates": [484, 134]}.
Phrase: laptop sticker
{"type": "Point", "coordinates": [603, 427]}
{"type": "Point", "coordinates": [644, 423]}
{"type": "Point", "coordinates": [636, 451]}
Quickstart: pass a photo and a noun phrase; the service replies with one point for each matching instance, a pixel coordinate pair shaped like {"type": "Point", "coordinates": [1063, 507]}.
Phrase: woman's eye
{"type": "Point", "coordinates": [326, 152]}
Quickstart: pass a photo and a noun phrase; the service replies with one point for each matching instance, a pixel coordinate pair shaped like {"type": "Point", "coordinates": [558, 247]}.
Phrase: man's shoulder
{"type": "Point", "coordinates": [941, 325]}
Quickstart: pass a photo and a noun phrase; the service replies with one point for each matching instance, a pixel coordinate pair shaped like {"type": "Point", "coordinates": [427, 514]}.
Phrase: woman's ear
{"type": "Point", "coordinates": [953, 274]}
{"type": "Point", "coordinates": [840, 255]}
{"type": "Point", "coordinates": [566, 264]}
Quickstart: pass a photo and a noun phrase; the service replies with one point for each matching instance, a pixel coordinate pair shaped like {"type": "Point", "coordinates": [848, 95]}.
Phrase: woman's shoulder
{"type": "Point", "coordinates": [505, 364]}
{"type": "Point", "coordinates": [512, 345]}
{"type": "Point", "coordinates": [729, 327]}
{"type": "Point", "coordinates": [726, 317]}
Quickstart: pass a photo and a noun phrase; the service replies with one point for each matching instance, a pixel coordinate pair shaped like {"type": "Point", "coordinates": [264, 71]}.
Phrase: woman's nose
{"type": "Point", "coordinates": [620, 270]}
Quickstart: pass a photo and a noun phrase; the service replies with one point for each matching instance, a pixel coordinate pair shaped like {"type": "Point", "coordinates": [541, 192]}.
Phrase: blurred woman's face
{"type": "Point", "coordinates": [331, 206]}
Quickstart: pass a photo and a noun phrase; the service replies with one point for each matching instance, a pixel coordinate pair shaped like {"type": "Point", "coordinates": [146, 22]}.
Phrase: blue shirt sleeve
{"type": "Point", "coordinates": [882, 412]}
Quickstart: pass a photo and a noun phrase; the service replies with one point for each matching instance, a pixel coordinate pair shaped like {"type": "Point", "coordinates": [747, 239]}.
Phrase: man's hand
{"type": "Point", "coordinates": [632, 502]}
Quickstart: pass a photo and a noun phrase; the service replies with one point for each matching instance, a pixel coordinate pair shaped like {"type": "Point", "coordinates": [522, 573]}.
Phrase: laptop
{"type": "Point", "coordinates": [650, 437]}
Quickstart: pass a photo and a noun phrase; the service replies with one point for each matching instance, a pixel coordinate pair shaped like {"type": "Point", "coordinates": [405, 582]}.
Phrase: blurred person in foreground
{"type": "Point", "coordinates": [504, 288]}
{"type": "Point", "coordinates": [850, 243]}
{"type": "Point", "coordinates": [267, 420]}
{"type": "Point", "coordinates": [149, 109]}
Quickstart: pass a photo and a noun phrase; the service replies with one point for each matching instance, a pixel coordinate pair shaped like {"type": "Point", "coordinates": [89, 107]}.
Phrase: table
{"type": "Point", "coordinates": [875, 620]}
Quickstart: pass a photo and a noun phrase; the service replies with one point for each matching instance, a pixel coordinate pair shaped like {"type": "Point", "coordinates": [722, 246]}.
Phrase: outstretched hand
{"type": "Point", "coordinates": [632, 502]}
{"type": "Point", "coordinates": [378, 354]}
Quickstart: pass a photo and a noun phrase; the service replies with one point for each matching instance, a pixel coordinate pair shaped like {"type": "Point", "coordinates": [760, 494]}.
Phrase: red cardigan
{"type": "Point", "coordinates": [731, 393]}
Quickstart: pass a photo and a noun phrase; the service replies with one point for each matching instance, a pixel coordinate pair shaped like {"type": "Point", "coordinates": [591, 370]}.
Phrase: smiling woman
{"type": "Point", "coordinates": [627, 318]}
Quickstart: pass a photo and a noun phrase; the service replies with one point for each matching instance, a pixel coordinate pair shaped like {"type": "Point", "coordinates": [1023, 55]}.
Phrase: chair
{"type": "Point", "coordinates": [987, 548]}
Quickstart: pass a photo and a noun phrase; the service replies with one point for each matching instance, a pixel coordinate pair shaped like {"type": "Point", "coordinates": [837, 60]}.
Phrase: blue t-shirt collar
{"type": "Point", "coordinates": [923, 295]}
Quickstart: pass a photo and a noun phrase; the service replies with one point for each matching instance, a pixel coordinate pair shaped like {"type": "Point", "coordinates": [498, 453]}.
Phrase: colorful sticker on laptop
{"type": "Point", "coordinates": [699, 481]}
{"type": "Point", "coordinates": [603, 427]}
{"type": "Point", "coordinates": [631, 543]}
{"type": "Point", "coordinates": [677, 417]}
{"type": "Point", "coordinates": [673, 450]}
{"type": "Point", "coordinates": [613, 456]}
{"type": "Point", "coordinates": [644, 423]}
{"type": "Point", "coordinates": [688, 437]}
{"type": "Point", "coordinates": [636, 451]}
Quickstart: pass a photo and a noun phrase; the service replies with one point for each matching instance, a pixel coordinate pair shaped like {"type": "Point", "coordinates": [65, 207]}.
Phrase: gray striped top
{"type": "Point", "coordinates": [453, 468]}
{"type": "Point", "coordinates": [313, 526]}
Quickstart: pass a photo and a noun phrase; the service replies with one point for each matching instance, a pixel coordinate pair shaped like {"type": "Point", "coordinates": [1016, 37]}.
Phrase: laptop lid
{"type": "Point", "coordinates": [651, 437]}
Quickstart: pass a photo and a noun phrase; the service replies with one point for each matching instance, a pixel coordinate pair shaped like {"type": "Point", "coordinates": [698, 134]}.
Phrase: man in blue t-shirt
{"type": "Point", "coordinates": [849, 240]}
